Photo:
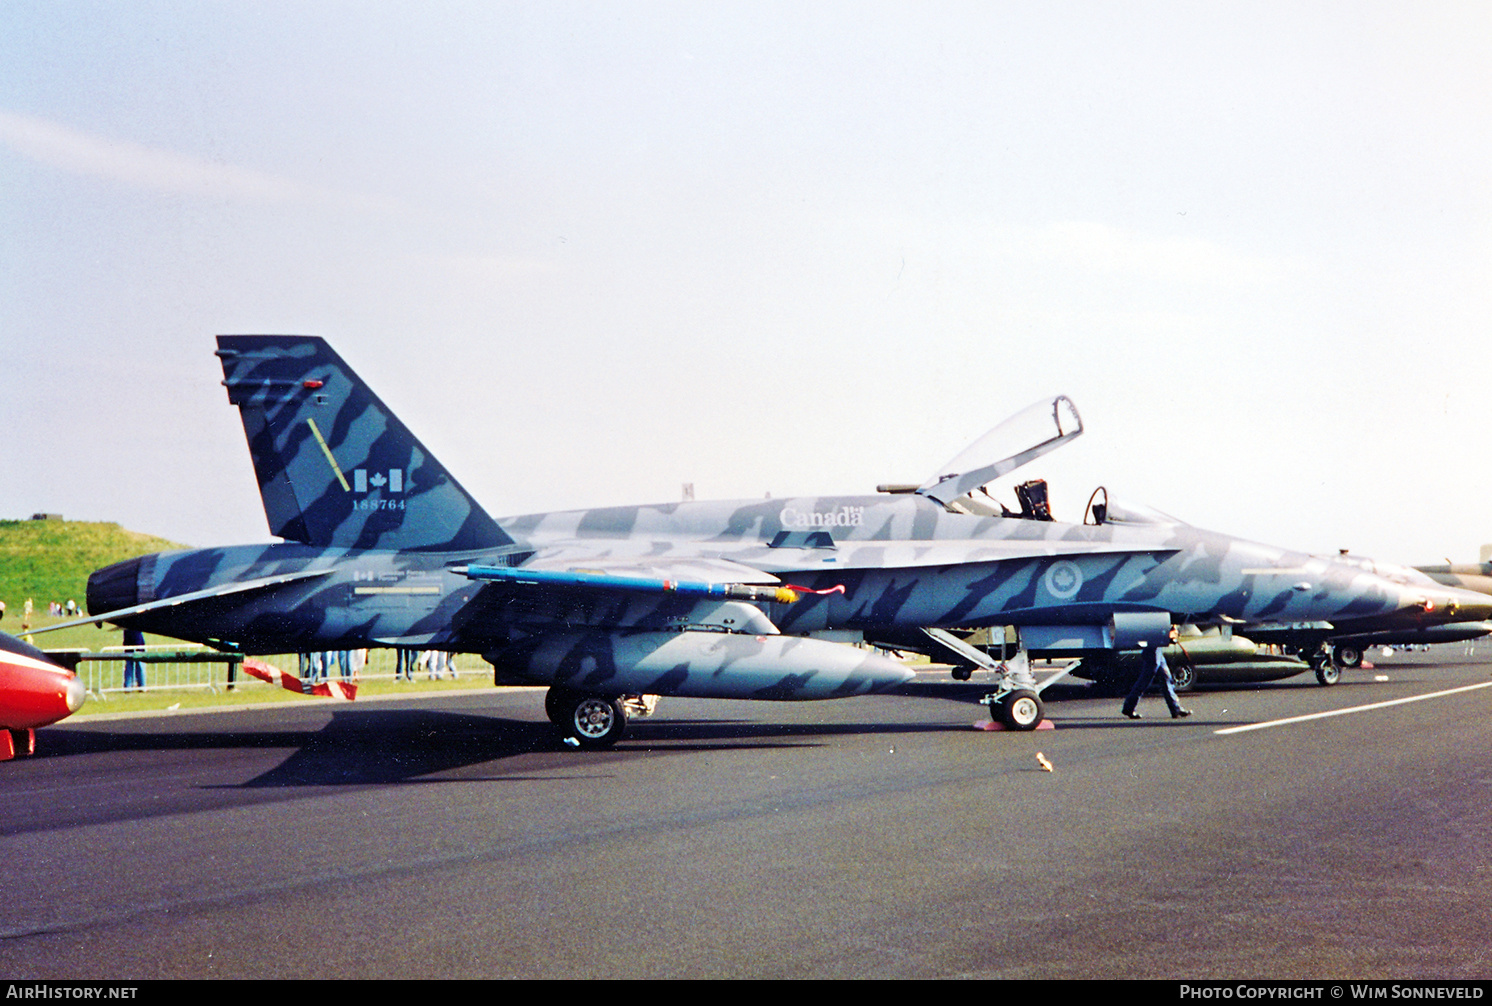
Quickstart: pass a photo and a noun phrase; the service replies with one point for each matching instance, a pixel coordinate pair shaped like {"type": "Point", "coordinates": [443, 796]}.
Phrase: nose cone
{"type": "Point", "coordinates": [877, 673]}
{"type": "Point", "coordinates": [33, 694]}
{"type": "Point", "coordinates": [34, 691]}
{"type": "Point", "coordinates": [1452, 604]}
{"type": "Point", "coordinates": [74, 694]}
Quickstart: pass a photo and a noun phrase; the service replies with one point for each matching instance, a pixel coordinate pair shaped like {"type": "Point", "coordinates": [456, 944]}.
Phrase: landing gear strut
{"type": "Point", "coordinates": [1016, 700]}
{"type": "Point", "coordinates": [1327, 671]}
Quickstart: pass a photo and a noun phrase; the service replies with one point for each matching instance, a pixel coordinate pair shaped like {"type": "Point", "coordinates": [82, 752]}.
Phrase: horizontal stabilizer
{"type": "Point", "coordinates": [223, 590]}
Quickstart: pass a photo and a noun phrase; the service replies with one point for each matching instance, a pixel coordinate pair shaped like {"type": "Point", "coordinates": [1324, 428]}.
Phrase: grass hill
{"type": "Point", "coordinates": [49, 560]}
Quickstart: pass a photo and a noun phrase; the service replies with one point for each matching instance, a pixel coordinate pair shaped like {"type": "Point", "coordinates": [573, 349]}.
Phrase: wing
{"type": "Point", "coordinates": [556, 590]}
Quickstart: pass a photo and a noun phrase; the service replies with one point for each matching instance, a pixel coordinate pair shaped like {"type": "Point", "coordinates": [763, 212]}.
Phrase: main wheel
{"type": "Point", "coordinates": [1328, 674]}
{"type": "Point", "coordinates": [1345, 655]}
{"type": "Point", "coordinates": [596, 721]}
{"type": "Point", "coordinates": [1020, 710]}
{"type": "Point", "coordinates": [1184, 677]}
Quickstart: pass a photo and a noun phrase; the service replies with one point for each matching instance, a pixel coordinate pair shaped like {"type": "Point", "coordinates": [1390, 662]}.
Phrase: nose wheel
{"type": "Point", "coordinates": [1021, 710]}
{"type": "Point", "coordinates": [1018, 710]}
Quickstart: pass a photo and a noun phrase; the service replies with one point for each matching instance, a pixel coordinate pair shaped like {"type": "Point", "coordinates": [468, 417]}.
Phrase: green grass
{"type": "Point", "coordinates": [49, 560]}
{"type": "Point", "coordinates": [475, 673]}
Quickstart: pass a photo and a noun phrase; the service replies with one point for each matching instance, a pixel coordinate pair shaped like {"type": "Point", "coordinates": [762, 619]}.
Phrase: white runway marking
{"type": "Point", "coordinates": [1350, 709]}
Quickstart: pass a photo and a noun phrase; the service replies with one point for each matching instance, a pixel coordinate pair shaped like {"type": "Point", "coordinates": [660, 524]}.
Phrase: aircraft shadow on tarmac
{"type": "Point", "coordinates": [391, 746]}
{"type": "Point", "coordinates": [357, 747]}
{"type": "Point", "coordinates": [385, 746]}
{"type": "Point", "coordinates": [406, 746]}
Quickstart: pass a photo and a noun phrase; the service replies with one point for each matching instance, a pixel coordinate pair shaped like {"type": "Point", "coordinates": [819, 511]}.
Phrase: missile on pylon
{"type": "Point", "coordinates": [644, 584]}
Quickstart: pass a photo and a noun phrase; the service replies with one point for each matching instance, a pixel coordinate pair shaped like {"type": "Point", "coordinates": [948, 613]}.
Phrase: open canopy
{"type": "Point", "coordinates": [1023, 437]}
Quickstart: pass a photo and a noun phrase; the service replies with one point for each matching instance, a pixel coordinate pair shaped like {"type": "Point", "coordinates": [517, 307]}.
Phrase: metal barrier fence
{"type": "Point", "coordinates": [186, 666]}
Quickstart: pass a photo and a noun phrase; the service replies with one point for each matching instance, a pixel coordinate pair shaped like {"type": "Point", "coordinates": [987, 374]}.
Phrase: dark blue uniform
{"type": "Point", "coordinates": [1154, 662]}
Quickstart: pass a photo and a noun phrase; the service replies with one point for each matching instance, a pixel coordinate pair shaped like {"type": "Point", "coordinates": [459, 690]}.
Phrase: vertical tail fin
{"type": "Point", "coordinates": [336, 468]}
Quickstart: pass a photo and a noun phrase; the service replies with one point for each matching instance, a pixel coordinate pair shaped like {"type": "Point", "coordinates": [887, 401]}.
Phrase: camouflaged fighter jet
{"type": "Point", "coordinates": [383, 547]}
{"type": "Point", "coordinates": [1323, 647]}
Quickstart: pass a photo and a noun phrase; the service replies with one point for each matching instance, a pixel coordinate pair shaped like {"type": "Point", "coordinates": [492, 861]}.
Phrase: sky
{"type": "Point", "coordinates": [591, 252]}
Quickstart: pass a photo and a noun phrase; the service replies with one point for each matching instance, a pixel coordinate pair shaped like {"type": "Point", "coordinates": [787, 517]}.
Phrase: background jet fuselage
{"type": "Point", "coordinates": [1468, 576]}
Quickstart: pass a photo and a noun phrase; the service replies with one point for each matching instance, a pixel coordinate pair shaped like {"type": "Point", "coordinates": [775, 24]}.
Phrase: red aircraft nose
{"type": "Point", "coordinates": [34, 691]}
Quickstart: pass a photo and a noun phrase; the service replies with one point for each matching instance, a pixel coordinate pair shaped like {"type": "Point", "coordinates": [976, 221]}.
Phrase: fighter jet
{"type": "Point", "coordinates": [1221, 654]}
{"type": "Point", "coordinates": [1475, 576]}
{"type": "Point", "coordinates": [1330, 648]}
{"type": "Point", "coordinates": [757, 599]}
{"type": "Point", "coordinates": [34, 691]}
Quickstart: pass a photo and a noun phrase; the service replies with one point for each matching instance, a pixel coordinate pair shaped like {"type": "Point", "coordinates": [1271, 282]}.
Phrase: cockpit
{"type": "Point", "coordinates": [1405, 575]}
{"type": "Point", "coordinates": [963, 484]}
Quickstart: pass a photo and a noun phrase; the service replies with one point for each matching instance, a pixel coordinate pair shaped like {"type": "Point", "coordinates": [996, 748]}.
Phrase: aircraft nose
{"type": "Point", "coordinates": [75, 694]}
{"type": "Point", "coordinates": [1454, 604]}
{"type": "Point", "coordinates": [878, 673]}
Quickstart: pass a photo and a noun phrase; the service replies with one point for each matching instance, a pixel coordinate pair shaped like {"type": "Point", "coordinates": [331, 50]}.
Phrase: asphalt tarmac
{"type": "Point", "coordinates": [867, 838]}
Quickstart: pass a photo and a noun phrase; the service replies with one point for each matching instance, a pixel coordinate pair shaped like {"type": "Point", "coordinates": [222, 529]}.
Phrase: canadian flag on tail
{"type": "Point", "coordinates": [272, 674]}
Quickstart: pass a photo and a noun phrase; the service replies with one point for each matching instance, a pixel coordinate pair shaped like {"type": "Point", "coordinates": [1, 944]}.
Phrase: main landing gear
{"type": "Point", "coordinates": [592, 721]}
{"type": "Point", "coordinates": [1327, 671]}
{"type": "Point", "coordinates": [1184, 676]}
{"type": "Point", "coordinates": [1016, 701]}
{"type": "Point", "coordinates": [1347, 655]}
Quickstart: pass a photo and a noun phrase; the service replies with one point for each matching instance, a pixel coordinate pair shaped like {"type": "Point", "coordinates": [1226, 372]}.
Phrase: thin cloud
{"type": "Point", "coordinates": [149, 168]}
